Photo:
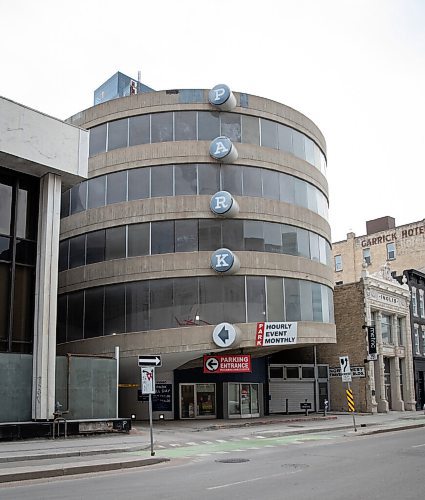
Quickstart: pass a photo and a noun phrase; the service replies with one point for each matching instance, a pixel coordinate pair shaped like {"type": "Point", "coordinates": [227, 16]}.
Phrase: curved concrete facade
{"type": "Point", "coordinates": [183, 344]}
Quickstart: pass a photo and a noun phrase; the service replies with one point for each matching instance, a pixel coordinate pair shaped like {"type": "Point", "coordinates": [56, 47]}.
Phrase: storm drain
{"type": "Point", "coordinates": [232, 460]}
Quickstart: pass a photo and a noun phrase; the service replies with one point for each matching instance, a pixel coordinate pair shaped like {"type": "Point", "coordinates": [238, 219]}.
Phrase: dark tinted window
{"type": "Point", "coordinates": [78, 197]}
{"type": "Point", "coordinates": [95, 247]}
{"type": "Point", "coordinates": [231, 179]}
{"type": "Point", "coordinates": [186, 232]}
{"type": "Point", "coordinates": [208, 125]}
{"type": "Point", "coordinates": [97, 140]}
{"type": "Point", "coordinates": [5, 208]}
{"type": "Point", "coordinates": [138, 183]}
{"type": "Point", "coordinates": [115, 243]}
{"type": "Point", "coordinates": [162, 181]}
{"type": "Point", "coordinates": [114, 309]}
{"type": "Point", "coordinates": [271, 184]}
{"type": "Point", "coordinates": [137, 304]}
{"type": "Point", "coordinates": [138, 239]}
{"type": "Point", "coordinates": [186, 302]}
{"type": "Point", "coordinates": [268, 133]}
{"type": "Point", "coordinates": [162, 237]}
{"type": "Point", "coordinates": [250, 130]}
{"type": "Point", "coordinates": [65, 203]}
{"type": "Point", "coordinates": [208, 178]}
{"type": "Point", "coordinates": [209, 234]}
{"type": "Point", "coordinates": [284, 134]}
{"type": "Point", "coordinates": [96, 192]}
{"type": "Point", "coordinates": [116, 187]}
{"type": "Point", "coordinates": [93, 319]}
{"type": "Point", "coordinates": [252, 182]}
{"type": "Point", "coordinates": [256, 297]}
{"type": "Point", "coordinates": [161, 304]}
{"type": "Point", "coordinates": [139, 130]}
{"type": "Point", "coordinates": [231, 126]}
{"type": "Point", "coordinates": [75, 316]}
{"type": "Point", "coordinates": [162, 127]}
{"type": "Point", "coordinates": [287, 189]}
{"type": "Point", "coordinates": [185, 125]}
{"type": "Point", "coordinates": [292, 299]}
{"type": "Point", "coordinates": [289, 240]}
{"type": "Point", "coordinates": [298, 144]}
{"type": "Point", "coordinates": [253, 235]}
{"type": "Point", "coordinates": [232, 234]}
{"type": "Point", "coordinates": [185, 179]}
{"type": "Point", "coordinates": [234, 299]}
{"type": "Point", "coordinates": [77, 251]}
{"type": "Point", "coordinates": [118, 134]}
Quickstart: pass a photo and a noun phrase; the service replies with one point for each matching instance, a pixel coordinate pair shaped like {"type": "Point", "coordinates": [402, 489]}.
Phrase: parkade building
{"type": "Point", "coordinates": [201, 207]}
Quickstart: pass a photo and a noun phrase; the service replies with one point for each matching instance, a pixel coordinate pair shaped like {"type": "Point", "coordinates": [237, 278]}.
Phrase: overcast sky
{"type": "Point", "coordinates": [355, 67]}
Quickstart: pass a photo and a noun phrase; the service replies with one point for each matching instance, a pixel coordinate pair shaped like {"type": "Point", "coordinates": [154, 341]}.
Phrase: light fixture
{"type": "Point", "coordinates": [133, 416]}
{"type": "Point", "coordinates": [161, 416]}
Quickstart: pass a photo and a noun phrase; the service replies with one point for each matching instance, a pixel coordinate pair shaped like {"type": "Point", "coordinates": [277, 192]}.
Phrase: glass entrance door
{"type": "Point", "coordinates": [243, 400]}
{"type": "Point", "coordinates": [197, 401]}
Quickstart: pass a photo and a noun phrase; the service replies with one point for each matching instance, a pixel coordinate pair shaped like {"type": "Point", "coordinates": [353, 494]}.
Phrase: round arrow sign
{"type": "Point", "coordinates": [224, 334]}
{"type": "Point", "coordinates": [212, 364]}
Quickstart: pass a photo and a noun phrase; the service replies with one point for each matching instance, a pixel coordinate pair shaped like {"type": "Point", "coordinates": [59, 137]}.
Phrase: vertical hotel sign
{"type": "Point", "coordinates": [276, 333]}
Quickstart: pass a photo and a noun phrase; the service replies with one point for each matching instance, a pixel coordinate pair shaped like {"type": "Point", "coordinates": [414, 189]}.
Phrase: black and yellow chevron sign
{"type": "Point", "coordinates": [350, 400]}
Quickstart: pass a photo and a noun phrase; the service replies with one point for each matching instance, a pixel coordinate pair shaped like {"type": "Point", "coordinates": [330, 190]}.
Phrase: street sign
{"type": "Point", "coordinates": [154, 360]}
{"type": "Point", "coordinates": [148, 380]}
{"type": "Point", "coordinates": [371, 339]}
{"type": "Point", "coordinates": [372, 357]}
{"type": "Point", "coordinates": [350, 400]}
{"type": "Point", "coordinates": [276, 333]}
{"type": "Point", "coordinates": [235, 363]}
{"type": "Point", "coordinates": [224, 335]}
{"type": "Point", "coordinates": [345, 368]}
{"type": "Point", "coordinates": [356, 371]}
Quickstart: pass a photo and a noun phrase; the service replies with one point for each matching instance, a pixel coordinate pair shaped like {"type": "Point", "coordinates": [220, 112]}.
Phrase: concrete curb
{"type": "Point", "coordinates": [66, 454]}
{"type": "Point", "coordinates": [392, 429]}
{"type": "Point", "coordinates": [29, 473]}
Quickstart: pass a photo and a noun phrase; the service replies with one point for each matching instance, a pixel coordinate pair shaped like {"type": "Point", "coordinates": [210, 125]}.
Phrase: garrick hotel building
{"type": "Point", "coordinates": [204, 214]}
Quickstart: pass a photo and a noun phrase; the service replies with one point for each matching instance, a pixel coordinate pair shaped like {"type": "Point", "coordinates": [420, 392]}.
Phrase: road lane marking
{"type": "Point", "coordinates": [251, 480]}
{"type": "Point", "coordinates": [418, 445]}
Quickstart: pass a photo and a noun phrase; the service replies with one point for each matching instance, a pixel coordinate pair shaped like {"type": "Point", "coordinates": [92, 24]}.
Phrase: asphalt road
{"type": "Point", "coordinates": [327, 466]}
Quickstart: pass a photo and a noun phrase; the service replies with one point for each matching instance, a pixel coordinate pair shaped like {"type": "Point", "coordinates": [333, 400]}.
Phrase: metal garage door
{"type": "Point", "coordinates": [295, 392]}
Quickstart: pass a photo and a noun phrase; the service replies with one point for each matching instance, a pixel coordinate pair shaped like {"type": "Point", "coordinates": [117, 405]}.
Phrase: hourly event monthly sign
{"type": "Point", "coordinates": [236, 363]}
{"type": "Point", "coordinates": [277, 333]}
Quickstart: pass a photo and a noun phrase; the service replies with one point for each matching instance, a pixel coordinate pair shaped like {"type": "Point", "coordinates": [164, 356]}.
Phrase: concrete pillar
{"type": "Point", "coordinates": [44, 354]}
{"type": "Point", "coordinates": [408, 375]}
{"type": "Point", "coordinates": [379, 368]}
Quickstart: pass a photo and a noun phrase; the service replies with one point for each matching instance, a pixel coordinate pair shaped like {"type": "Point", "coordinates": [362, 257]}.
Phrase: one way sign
{"type": "Point", "coordinates": [154, 360]}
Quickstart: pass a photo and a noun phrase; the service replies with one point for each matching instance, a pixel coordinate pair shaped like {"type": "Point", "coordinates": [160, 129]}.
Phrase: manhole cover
{"type": "Point", "coordinates": [233, 460]}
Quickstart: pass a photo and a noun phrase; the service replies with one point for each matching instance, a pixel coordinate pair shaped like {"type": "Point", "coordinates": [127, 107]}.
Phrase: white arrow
{"type": "Point", "coordinates": [212, 364]}
{"type": "Point", "coordinates": [154, 360]}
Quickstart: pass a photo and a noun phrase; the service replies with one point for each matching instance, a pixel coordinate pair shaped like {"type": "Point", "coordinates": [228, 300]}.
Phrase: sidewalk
{"type": "Point", "coordinates": [43, 458]}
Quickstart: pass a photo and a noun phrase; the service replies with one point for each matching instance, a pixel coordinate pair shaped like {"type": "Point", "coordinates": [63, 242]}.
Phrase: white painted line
{"type": "Point", "coordinates": [203, 454]}
{"type": "Point", "coordinates": [174, 444]}
{"type": "Point", "coordinates": [247, 438]}
{"type": "Point", "coordinates": [207, 442]}
{"type": "Point", "coordinates": [221, 441]}
{"type": "Point", "coordinates": [269, 446]}
{"type": "Point", "coordinates": [251, 480]}
{"type": "Point", "coordinates": [191, 443]}
{"type": "Point", "coordinates": [253, 448]}
{"type": "Point", "coordinates": [260, 437]}
{"type": "Point", "coordinates": [418, 445]}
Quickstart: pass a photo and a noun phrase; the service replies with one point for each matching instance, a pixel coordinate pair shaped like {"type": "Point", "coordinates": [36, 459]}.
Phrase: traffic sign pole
{"type": "Point", "coordinates": [150, 424]}
{"type": "Point", "coordinates": [353, 412]}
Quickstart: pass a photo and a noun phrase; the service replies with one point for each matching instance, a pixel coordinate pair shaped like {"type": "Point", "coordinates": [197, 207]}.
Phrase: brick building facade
{"type": "Point", "coordinates": [387, 383]}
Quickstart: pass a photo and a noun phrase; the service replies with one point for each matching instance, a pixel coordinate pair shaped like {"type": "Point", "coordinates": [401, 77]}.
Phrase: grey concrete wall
{"type": "Point", "coordinates": [36, 144]}
{"type": "Point", "coordinates": [92, 386]}
{"type": "Point", "coordinates": [15, 387]}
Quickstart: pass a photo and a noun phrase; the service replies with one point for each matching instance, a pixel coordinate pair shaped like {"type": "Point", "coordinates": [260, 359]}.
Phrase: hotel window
{"type": "Point", "coordinates": [421, 304]}
{"type": "Point", "coordinates": [423, 342]}
{"type": "Point", "coordinates": [414, 302]}
{"type": "Point", "coordinates": [417, 349]}
{"type": "Point", "coordinates": [391, 251]}
{"type": "Point", "coordinates": [366, 256]}
{"type": "Point", "coordinates": [338, 263]}
{"type": "Point", "coordinates": [400, 331]}
{"type": "Point", "coordinates": [387, 337]}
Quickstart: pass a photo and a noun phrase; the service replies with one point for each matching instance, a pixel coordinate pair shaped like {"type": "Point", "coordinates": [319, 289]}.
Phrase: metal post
{"type": "Point", "coordinates": [354, 420]}
{"type": "Point", "coordinates": [117, 357]}
{"type": "Point", "coordinates": [150, 424]}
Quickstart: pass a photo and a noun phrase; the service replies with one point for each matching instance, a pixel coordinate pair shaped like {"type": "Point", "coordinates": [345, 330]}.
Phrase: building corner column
{"type": "Point", "coordinates": [45, 307]}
